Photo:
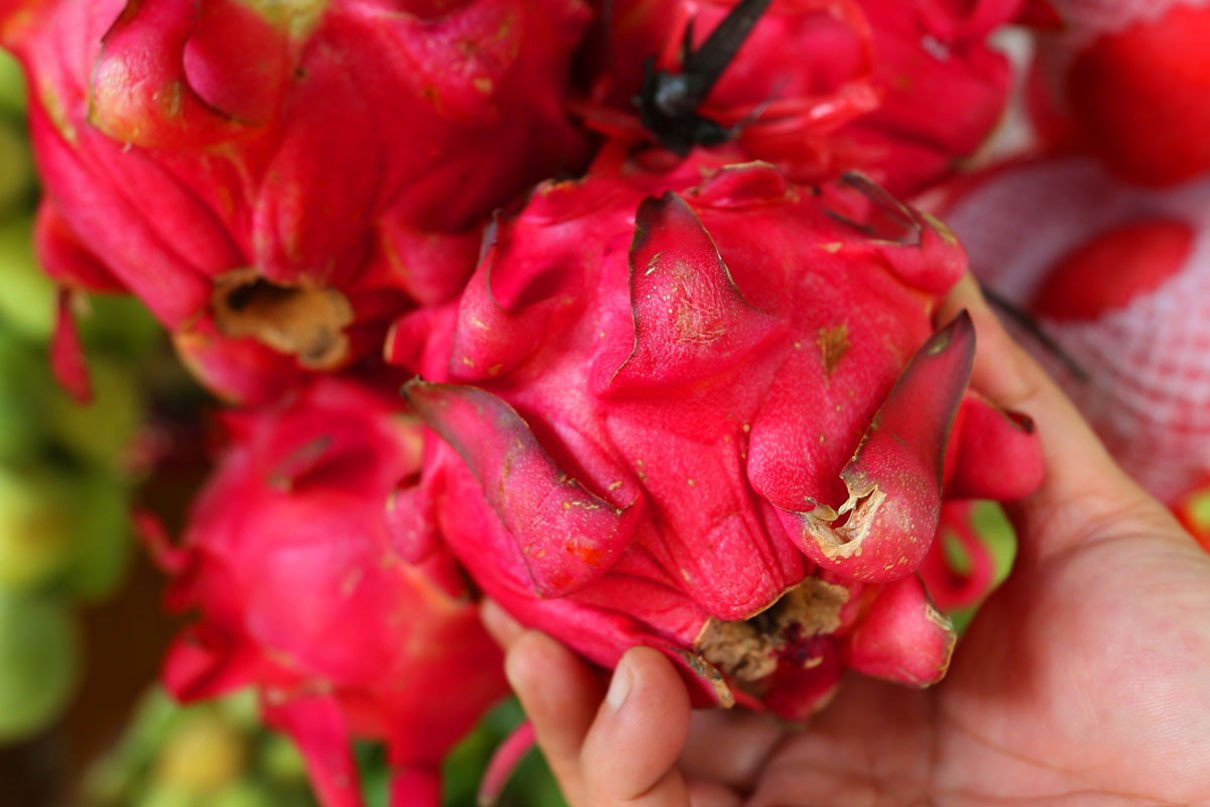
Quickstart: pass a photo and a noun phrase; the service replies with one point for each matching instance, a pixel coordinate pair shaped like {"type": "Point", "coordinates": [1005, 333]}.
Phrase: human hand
{"type": "Point", "coordinates": [1085, 679]}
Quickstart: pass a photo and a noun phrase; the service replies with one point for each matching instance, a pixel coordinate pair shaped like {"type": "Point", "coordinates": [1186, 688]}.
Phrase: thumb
{"type": "Point", "coordinates": [606, 749]}
{"type": "Point", "coordinates": [630, 753]}
{"type": "Point", "coordinates": [1085, 496]}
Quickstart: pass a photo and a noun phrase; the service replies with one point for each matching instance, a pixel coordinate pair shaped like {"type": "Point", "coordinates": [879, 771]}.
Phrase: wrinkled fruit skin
{"type": "Point", "coordinates": [289, 562]}
{"type": "Point", "coordinates": [279, 182]}
{"type": "Point", "coordinates": [899, 90]}
{"type": "Point", "coordinates": [657, 412]}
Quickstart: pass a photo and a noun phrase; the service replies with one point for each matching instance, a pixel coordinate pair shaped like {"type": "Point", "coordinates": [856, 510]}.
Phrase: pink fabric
{"type": "Point", "coordinates": [1149, 391]}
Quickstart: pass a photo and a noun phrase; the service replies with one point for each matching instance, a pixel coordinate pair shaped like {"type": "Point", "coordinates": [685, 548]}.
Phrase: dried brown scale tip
{"type": "Point", "coordinates": [893, 480]}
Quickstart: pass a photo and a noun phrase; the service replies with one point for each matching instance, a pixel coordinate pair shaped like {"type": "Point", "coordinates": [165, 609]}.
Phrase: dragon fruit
{"type": "Point", "coordinates": [944, 88]}
{"type": "Point", "coordinates": [289, 559]}
{"type": "Point", "coordinates": [900, 90]}
{"type": "Point", "coordinates": [280, 181]}
{"type": "Point", "coordinates": [1120, 278]}
{"type": "Point", "coordinates": [713, 421]}
{"type": "Point", "coordinates": [1126, 80]}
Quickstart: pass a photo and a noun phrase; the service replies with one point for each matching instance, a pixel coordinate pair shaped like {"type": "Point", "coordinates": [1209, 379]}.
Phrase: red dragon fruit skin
{"type": "Point", "coordinates": [899, 90]}
{"type": "Point", "coordinates": [288, 176]}
{"type": "Point", "coordinates": [288, 559]}
{"type": "Point", "coordinates": [944, 88]}
{"type": "Point", "coordinates": [662, 414]}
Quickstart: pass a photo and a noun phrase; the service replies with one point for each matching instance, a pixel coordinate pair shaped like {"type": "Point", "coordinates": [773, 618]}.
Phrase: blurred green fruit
{"type": "Point", "coordinates": [281, 761]}
{"type": "Point", "coordinates": [97, 432]}
{"type": "Point", "coordinates": [110, 781]}
{"type": "Point", "coordinates": [102, 537]}
{"type": "Point", "coordinates": [212, 754]}
{"type": "Point", "coordinates": [119, 324]}
{"type": "Point", "coordinates": [203, 754]}
{"type": "Point", "coordinates": [168, 794]}
{"type": "Point", "coordinates": [12, 85]}
{"type": "Point", "coordinates": [71, 530]}
{"type": "Point", "coordinates": [27, 296]}
{"type": "Point", "coordinates": [39, 664]}
{"type": "Point", "coordinates": [17, 176]}
{"type": "Point", "coordinates": [25, 382]}
{"type": "Point", "coordinates": [38, 519]}
{"type": "Point", "coordinates": [244, 794]}
{"type": "Point", "coordinates": [242, 708]}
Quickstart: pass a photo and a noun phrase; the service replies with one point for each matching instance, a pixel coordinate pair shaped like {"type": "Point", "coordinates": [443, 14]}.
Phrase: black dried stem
{"type": "Point", "coordinates": [668, 102]}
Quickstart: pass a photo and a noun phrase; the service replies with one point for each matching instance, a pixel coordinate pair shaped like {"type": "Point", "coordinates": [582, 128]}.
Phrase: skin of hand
{"type": "Point", "coordinates": [1085, 679]}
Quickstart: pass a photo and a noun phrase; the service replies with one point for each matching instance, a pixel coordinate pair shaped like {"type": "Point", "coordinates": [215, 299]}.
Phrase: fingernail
{"type": "Point", "coordinates": [619, 687]}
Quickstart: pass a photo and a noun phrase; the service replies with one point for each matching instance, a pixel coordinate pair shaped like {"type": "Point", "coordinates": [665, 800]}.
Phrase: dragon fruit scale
{"type": "Point", "coordinates": [289, 561]}
{"type": "Point", "coordinates": [716, 420]}
{"type": "Point", "coordinates": [279, 181]}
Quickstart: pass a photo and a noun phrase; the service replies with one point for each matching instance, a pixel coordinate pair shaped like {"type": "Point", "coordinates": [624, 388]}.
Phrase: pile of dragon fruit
{"type": "Point", "coordinates": [620, 313]}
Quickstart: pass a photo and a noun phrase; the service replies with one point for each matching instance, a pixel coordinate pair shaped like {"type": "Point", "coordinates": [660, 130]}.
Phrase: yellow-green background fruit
{"type": "Point", "coordinates": [25, 382]}
{"type": "Point", "coordinates": [12, 85]}
{"type": "Point", "coordinates": [39, 663]}
{"type": "Point", "coordinates": [27, 296]}
{"type": "Point", "coordinates": [101, 539]}
{"type": "Point", "coordinates": [203, 755]}
{"type": "Point", "coordinates": [16, 168]}
{"type": "Point", "coordinates": [38, 523]}
{"type": "Point", "coordinates": [98, 431]}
